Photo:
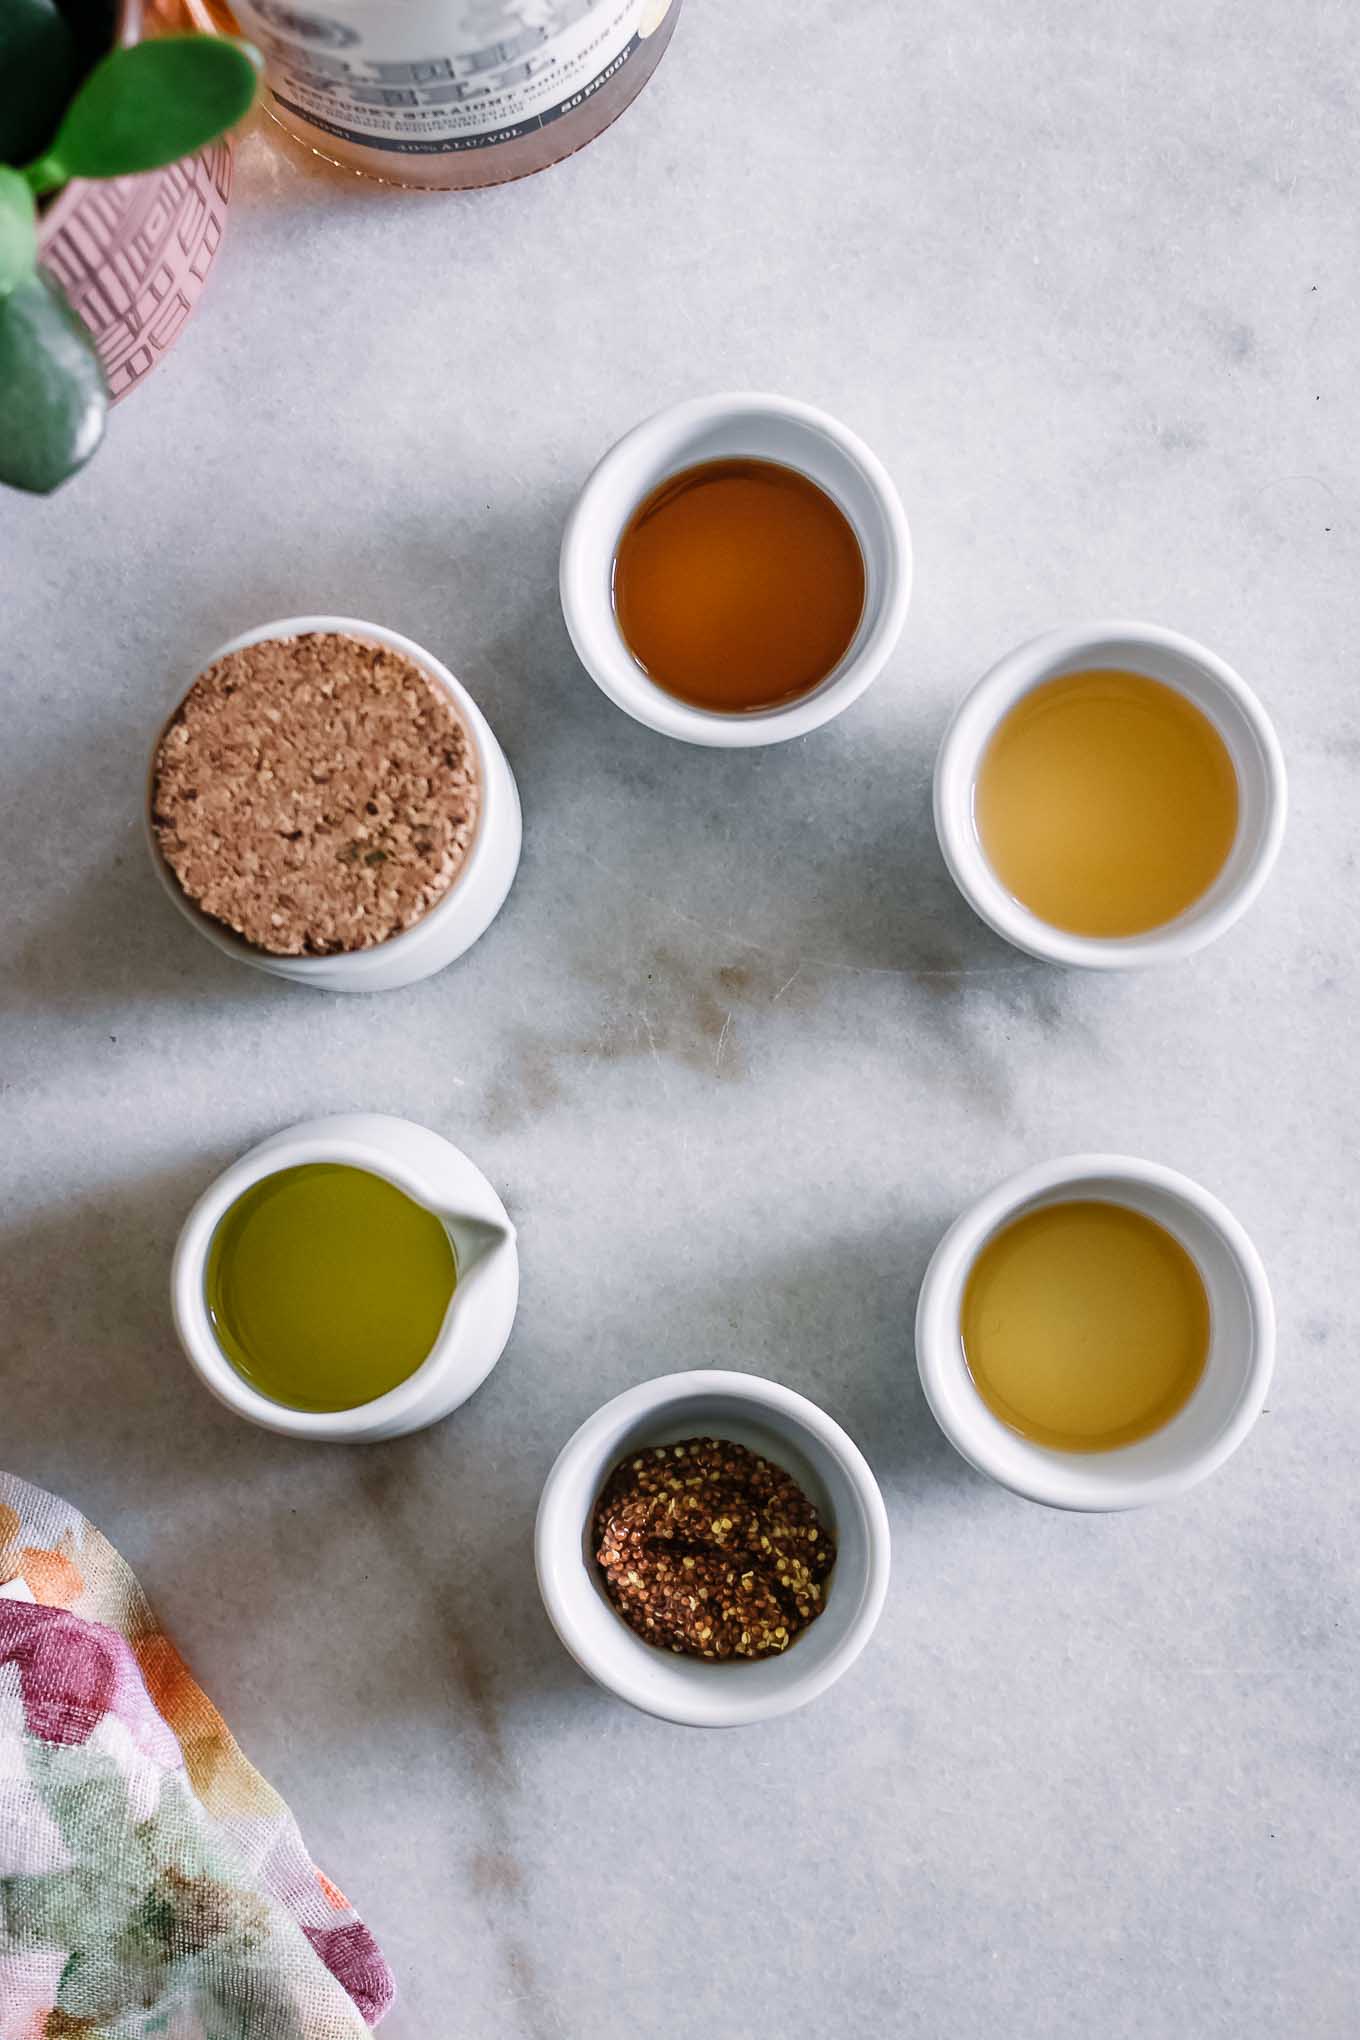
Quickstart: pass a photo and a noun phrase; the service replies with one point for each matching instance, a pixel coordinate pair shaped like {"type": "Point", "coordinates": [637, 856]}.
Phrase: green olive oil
{"type": "Point", "coordinates": [327, 1286]}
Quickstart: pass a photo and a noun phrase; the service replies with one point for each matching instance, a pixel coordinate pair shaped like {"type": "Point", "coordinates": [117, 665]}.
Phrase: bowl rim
{"type": "Point", "coordinates": [593, 628]}
{"type": "Point", "coordinates": [939, 1355]}
{"type": "Point", "coordinates": [965, 740]}
{"type": "Point", "coordinates": [356, 963]}
{"type": "Point", "coordinates": [558, 1530]}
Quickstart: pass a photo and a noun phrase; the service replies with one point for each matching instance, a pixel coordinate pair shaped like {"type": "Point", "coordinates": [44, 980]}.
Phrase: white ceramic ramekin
{"type": "Point", "coordinates": [721, 428]}
{"type": "Point", "coordinates": [476, 1327]}
{"type": "Point", "coordinates": [783, 1427]}
{"type": "Point", "coordinates": [454, 922]}
{"type": "Point", "coordinates": [1214, 688]}
{"type": "Point", "coordinates": [1231, 1390]}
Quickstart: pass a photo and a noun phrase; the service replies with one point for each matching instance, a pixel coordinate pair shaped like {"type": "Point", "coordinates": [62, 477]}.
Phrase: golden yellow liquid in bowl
{"type": "Point", "coordinates": [327, 1286]}
{"type": "Point", "coordinates": [1085, 1326]}
{"type": "Point", "coordinates": [1106, 803]}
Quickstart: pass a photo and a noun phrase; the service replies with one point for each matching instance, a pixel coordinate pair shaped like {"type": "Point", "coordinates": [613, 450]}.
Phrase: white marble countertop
{"type": "Point", "coordinates": [1083, 272]}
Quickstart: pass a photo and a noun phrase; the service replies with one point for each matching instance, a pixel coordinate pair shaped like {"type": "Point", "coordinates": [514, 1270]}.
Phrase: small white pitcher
{"type": "Point", "coordinates": [436, 1175]}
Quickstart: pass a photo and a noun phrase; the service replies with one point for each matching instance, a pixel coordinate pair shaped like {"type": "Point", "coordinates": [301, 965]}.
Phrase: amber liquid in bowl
{"type": "Point", "coordinates": [738, 585]}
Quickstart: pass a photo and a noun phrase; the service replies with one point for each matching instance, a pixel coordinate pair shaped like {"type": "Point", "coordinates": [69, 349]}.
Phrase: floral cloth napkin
{"type": "Point", "coordinates": [151, 1882]}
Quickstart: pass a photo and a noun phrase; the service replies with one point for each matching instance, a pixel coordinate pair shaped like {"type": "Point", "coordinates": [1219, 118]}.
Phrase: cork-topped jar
{"type": "Point", "coordinates": [329, 804]}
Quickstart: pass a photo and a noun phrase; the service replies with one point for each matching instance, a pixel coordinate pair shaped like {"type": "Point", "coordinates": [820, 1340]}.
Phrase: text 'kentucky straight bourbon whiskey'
{"type": "Point", "coordinates": [449, 93]}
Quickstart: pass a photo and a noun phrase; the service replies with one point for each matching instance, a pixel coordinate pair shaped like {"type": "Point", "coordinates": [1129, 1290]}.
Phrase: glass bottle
{"type": "Point", "coordinates": [446, 94]}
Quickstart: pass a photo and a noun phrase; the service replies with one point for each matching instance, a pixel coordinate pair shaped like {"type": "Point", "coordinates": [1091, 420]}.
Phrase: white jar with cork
{"type": "Point", "coordinates": [329, 804]}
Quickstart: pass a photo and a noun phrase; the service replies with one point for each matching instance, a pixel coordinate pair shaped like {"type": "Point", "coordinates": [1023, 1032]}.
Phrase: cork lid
{"type": "Point", "coordinates": [315, 794]}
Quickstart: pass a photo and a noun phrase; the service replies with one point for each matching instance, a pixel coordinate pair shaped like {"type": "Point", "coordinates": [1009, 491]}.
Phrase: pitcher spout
{"type": "Point", "coordinates": [477, 1243]}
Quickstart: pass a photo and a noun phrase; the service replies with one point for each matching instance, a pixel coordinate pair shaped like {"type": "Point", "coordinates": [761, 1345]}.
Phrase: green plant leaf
{"type": "Point", "coordinates": [18, 230]}
{"type": "Point", "coordinates": [37, 69]}
{"type": "Point", "coordinates": [149, 105]}
{"type": "Point", "coordinates": [53, 401]}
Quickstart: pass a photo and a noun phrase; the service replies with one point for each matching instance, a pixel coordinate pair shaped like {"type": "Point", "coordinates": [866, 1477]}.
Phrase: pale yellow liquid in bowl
{"type": "Point", "coordinates": [1085, 1326]}
{"type": "Point", "coordinates": [1106, 803]}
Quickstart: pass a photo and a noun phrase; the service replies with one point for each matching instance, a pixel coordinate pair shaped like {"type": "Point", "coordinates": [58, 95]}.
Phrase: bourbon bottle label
{"type": "Point", "coordinates": [434, 77]}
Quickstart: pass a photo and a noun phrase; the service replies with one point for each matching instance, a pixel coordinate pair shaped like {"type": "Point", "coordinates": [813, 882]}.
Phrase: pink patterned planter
{"type": "Point", "coordinates": [133, 254]}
